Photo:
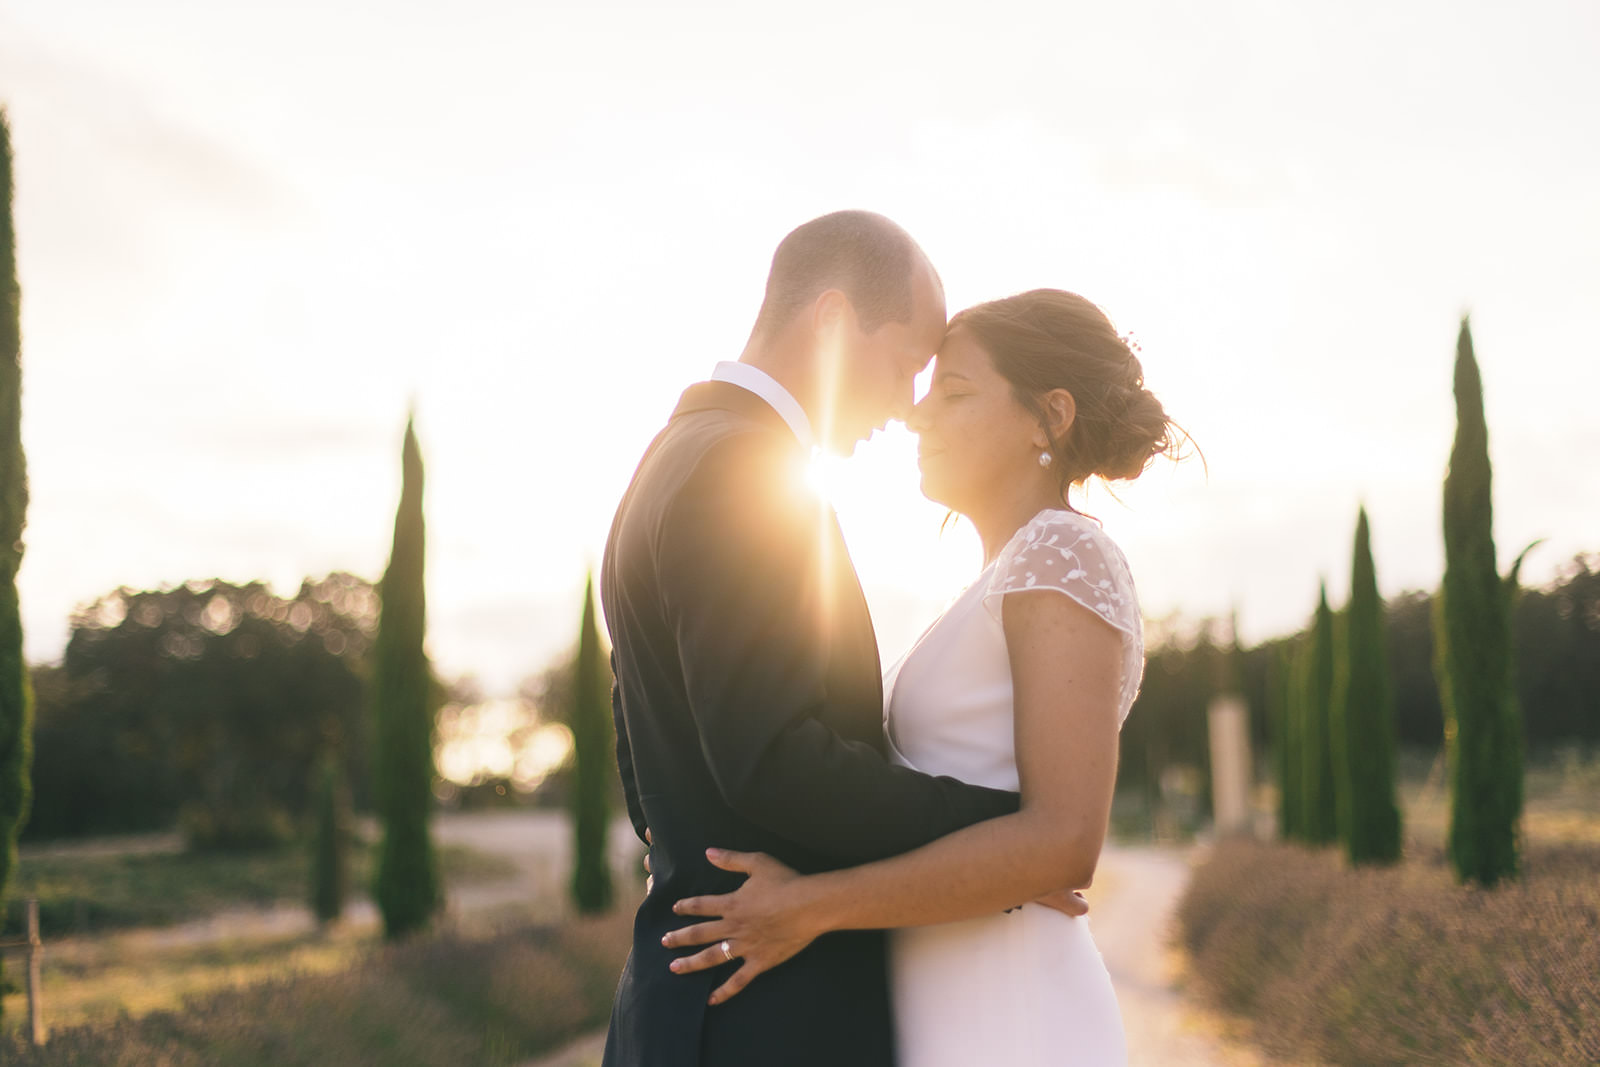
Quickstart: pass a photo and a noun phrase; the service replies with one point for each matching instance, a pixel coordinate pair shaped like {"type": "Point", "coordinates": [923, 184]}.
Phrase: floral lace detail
{"type": "Point", "coordinates": [1067, 552]}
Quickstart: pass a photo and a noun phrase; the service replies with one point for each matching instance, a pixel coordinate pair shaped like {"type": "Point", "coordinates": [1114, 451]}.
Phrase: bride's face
{"type": "Point", "coordinates": [974, 438]}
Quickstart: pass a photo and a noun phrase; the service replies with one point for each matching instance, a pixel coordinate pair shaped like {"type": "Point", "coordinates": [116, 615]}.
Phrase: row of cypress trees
{"type": "Point", "coordinates": [1336, 770]}
{"type": "Point", "coordinates": [1335, 705]}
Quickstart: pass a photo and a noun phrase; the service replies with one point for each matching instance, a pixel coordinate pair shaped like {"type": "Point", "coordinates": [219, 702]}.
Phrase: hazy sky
{"type": "Point", "coordinates": [250, 235]}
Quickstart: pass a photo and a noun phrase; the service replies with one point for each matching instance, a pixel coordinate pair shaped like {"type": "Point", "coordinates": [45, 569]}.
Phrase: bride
{"type": "Point", "coordinates": [1022, 683]}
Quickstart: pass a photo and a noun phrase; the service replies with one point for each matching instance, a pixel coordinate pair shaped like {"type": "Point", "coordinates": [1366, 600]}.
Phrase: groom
{"type": "Point", "coordinates": [748, 698]}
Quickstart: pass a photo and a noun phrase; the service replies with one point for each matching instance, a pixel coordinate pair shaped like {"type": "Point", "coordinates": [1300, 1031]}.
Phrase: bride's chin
{"type": "Point", "coordinates": [930, 489]}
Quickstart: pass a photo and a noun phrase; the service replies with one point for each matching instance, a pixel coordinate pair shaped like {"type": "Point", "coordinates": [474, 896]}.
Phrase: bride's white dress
{"type": "Point", "coordinates": [1027, 987]}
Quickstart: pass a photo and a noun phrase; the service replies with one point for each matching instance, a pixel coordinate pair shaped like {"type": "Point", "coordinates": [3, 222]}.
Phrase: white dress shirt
{"type": "Point", "coordinates": [767, 388]}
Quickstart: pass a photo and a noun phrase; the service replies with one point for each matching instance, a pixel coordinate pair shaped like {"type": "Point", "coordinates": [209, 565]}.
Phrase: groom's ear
{"type": "Point", "coordinates": [831, 311]}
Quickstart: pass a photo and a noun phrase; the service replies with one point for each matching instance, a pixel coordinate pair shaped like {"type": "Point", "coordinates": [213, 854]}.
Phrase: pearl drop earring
{"type": "Point", "coordinates": [1044, 459]}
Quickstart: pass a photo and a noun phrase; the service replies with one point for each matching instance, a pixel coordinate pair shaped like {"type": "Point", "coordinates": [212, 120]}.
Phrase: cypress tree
{"type": "Point", "coordinates": [593, 746]}
{"type": "Point", "coordinates": [1319, 810]}
{"type": "Point", "coordinates": [16, 695]}
{"type": "Point", "coordinates": [406, 876]}
{"type": "Point", "coordinates": [330, 864]}
{"type": "Point", "coordinates": [1363, 720]}
{"type": "Point", "coordinates": [1285, 715]}
{"type": "Point", "coordinates": [1472, 643]}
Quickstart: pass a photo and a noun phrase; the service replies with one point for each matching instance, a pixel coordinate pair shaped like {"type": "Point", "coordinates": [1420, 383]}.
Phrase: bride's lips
{"type": "Point", "coordinates": [925, 453]}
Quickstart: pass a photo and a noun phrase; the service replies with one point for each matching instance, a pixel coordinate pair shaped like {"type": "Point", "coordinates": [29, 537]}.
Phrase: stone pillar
{"type": "Point", "coordinates": [1231, 768]}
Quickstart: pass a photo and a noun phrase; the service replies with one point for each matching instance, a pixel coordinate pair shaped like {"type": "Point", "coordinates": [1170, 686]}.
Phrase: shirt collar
{"type": "Point", "coordinates": [767, 388]}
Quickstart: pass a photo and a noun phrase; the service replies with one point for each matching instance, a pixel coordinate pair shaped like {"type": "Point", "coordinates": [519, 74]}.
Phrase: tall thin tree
{"type": "Point", "coordinates": [406, 878]}
{"type": "Point", "coordinates": [16, 696]}
{"type": "Point", "coordinates": [1472, 644]}
{"type": "Point", "coordinates": [1319, 811]}
{"type": "Point", "coordinates": [593, 747]}
{"type": "Point", "coordinates": [1285, 706]}
{"type": "Point", "coordinates": [1363, 719]}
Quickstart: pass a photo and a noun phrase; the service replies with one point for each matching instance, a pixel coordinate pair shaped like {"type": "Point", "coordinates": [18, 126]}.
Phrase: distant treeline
{"type": "Point", "coordinates": [1557, 648]}
{"type": "Point", "coordinates": [207, 704]}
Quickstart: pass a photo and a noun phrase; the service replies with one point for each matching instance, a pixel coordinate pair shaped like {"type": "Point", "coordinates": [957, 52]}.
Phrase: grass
{"type": "Point", "coordinates": [1561, 797]}
{"type": "Point", "coordinates": [82, 894]}
{"type": "Point", "coordinates": [127, 976]}
{"type": "Point", "coordinates": [493, 993]}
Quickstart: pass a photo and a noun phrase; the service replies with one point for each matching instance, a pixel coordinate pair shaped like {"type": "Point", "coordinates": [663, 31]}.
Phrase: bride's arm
{"type": "Point", "coordinates": [1066, 666]}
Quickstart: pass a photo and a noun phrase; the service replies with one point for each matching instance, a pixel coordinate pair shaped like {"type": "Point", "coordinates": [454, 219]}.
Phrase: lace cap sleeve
{"type": "Point", "coordinates": [1063, 551]}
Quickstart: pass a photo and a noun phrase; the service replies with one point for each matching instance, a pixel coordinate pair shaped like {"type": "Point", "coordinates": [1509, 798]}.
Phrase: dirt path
{"type": "Point", "coordinates": [1131, 912]}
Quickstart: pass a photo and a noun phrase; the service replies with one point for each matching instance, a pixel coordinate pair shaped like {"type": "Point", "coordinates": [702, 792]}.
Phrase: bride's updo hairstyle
{"type": "Point", "coordinates": [1048, 339]}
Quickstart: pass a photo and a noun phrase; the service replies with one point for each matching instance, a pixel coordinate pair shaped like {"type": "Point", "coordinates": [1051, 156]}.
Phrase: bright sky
{"type": "Point", "coordinates": [250, 235]}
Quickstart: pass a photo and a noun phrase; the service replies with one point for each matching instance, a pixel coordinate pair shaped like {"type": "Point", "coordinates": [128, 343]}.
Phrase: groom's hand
{"type": "Point", "coordinates": [1067, 902]}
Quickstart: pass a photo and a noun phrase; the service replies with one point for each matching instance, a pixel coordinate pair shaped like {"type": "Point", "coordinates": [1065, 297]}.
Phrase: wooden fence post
{"type": "Point", "coordinates": [34, 948]}
{"type": "Point", "coordinates": [35, 987]}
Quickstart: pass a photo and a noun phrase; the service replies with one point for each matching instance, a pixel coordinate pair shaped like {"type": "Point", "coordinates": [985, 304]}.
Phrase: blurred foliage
{"type": "Point", "coordinates": [210, 699]}
{"type": "Point", "coordinates": [553, 691]}
{"type": "Point", "coordinates": [1556, 631]}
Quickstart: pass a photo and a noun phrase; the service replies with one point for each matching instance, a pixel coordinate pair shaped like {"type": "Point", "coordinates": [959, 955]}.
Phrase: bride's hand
{"type": "Point", "coordinates": [764, 922]}
{"type": "Point", "coordinates": [1067, 901]}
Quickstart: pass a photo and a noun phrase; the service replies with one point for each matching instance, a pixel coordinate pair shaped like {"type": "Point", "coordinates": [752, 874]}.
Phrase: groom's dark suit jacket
{"type": "Point", "coordinates": [748, 706]}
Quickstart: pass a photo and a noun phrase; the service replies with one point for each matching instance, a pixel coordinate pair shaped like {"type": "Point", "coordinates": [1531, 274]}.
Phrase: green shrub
{"type": "Point", "coordinates": [330, 844]}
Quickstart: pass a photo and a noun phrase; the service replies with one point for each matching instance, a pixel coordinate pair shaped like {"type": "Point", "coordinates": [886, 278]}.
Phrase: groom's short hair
{"type": "Point", "coordinates": [863, 255]}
